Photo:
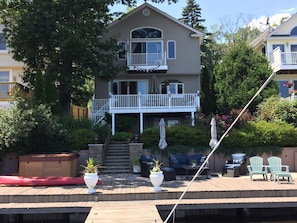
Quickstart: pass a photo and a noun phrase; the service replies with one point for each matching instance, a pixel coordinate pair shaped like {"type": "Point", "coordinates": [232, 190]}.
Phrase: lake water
{"type": "Point", "coordinates": [240, 215]}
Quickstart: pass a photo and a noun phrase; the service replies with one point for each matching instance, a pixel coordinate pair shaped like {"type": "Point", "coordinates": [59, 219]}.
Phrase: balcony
{"type": "Point", "coordinates": [147, 62]}
{"type": "Point", "coordinates": [283, 63]}
{"type": "Point", "coordinates": [145, 103]}
{"type": "Point", "coordinates": [10, 89]}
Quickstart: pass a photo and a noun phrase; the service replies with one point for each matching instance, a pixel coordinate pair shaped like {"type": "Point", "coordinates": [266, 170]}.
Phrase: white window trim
{"type": "Point", "coordinates": [169, 58]}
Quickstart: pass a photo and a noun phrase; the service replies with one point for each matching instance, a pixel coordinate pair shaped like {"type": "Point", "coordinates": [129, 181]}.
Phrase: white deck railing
{"type": "Point", "coordinates": [146, 103]}
{"type": "Point", "coordinates": [146, 59]}
{"type": "Point", "coordinates": [278, 58]}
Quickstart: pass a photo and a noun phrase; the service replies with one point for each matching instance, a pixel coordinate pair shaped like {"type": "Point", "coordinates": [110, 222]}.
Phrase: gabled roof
{"type": "Point", "coordinates": [195, 33]}
{"type": "Point", "coordinates": [255, 43]}
{"type": "Point", "coordinates": [276, 30]}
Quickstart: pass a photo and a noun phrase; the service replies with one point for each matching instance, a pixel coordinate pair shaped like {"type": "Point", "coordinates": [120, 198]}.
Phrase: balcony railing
{"type": "Point", "coordinates": [279, 59]}
{"type": "Point", "coordinates": [147, 61]}
{"type": "Point", "coordinates": [9, 89]}
{"type": "Point", "coordinates": [151, 103]}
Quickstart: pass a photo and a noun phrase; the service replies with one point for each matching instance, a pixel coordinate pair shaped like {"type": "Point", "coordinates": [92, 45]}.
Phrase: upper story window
{"type": "Point", "coordinates": [294, 31]}
{"type": "Point", "coordinates": [146, 33]}
{"type": "Point", "coordinates": [122, 50]}
{"type": "Point", "coordinates": [3, 45]}
{"type": "Point", "coordinates": [171, 49]}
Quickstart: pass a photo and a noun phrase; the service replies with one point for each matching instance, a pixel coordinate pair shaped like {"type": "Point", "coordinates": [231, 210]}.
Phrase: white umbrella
{"type": "Point", "coordinates": [162, 142]}
{"type": "Point", "coordinates": [213, 133]}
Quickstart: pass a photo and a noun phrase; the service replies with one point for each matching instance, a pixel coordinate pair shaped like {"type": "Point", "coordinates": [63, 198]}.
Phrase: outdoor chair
{"type": "Point", "coordinates": [237, 162]}
{"type": "Point", "coordinates": [277, 169]}
{"type": "Point", "coordinates": [256, 167]}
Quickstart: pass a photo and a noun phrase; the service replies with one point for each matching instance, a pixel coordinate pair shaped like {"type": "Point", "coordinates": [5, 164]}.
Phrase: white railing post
{"type": "Point", "coordinates": [198, 100]}
{"type": "Point", "coordinates": [139, 101]}
{"type": "Point", "coordinates": [169, 100]}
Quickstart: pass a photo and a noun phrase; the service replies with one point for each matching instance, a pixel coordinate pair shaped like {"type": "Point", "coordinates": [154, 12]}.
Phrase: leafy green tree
{"type": "Point", "coordinates": [239, 76]}
{"type": "Point", "coordinates": [39, 93]}
{"type": "Point", "coordinates": [63, 36]}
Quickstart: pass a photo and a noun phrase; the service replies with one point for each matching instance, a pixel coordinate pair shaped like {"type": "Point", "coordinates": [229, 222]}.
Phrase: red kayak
{"type": "Point", "coordinates": [41, 181]}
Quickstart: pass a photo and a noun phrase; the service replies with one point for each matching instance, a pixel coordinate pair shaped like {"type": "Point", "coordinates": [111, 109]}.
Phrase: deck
{"type": "Point", "coordinates": [123, 195]}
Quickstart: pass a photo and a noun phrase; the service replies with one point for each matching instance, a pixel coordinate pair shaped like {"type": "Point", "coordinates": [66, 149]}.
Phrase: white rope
{"type": "Point", "coordinates": [217, 145]}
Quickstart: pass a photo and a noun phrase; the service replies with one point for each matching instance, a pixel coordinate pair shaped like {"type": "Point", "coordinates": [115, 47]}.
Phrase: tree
{"type": "Point", "coordinates": [64, 37]}
{"type": "Point", "coordinates": [191, 16]}
{"type": "Point", "coordinates": [239, 76]}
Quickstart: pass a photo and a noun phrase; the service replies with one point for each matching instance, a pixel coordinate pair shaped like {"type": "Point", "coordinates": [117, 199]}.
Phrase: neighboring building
{"type": "Point", "coordinates": [162, 79]}
{"type": "Point", "coordinates": [10, 73]}
{"type": "Point", "coordinates": [280, 47]}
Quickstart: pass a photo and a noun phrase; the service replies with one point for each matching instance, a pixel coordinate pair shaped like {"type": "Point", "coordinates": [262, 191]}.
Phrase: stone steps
{"type": "Point", "coordinates": [117, 159]}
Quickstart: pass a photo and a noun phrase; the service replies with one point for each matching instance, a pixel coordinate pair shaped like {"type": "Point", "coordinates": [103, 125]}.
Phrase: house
{"type": "Point", "coordinates": [10, 74]}
{"type": "Point", "coordinates": [280, 47]}
{"type": "Point", "coordinates": [162, 78]}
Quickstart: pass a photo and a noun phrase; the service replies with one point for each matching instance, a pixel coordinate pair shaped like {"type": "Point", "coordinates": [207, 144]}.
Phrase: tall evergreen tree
{"type": "Point", "coordinates": [191, 16]}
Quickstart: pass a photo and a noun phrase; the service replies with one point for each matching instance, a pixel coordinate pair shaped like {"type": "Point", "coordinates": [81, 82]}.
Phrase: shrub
{"type": "Point", "coordinates": [122, 136]}
{"type": "Point", "coordinates": [278, 109]}
{"type": "Point", "coordinates": [81, 138]}
{"type": "Point", "coordinates": [28, 128]}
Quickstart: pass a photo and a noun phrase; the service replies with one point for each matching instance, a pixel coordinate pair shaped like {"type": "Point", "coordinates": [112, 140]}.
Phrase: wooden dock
{"type": "Point", "coordinates": [131, 198]}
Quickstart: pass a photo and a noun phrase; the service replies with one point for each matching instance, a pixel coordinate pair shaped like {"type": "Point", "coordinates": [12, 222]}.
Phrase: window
{"type": "Point", "coordinates": [128, 87]}
{"type": "Point", "coordinates": [171, 49]}
{"type": "Point", "coordinates": [294, 31]}
{"type": "Point", "coordinates": [172, 87]}
{"type": "Point", "coordinates": [146, 33]}
{"type": "Point", "coordinates": [2, 42]}
{"type": "Point", "coordinates": [122, 50]}
{"type": "Point", "coordinates": [293, 48]}
{"type": "Point", "coordinates": [146, 53]}
{"type": "Point", "coordinates": [281, 46]}
{"type": "Point", "coordinates": [4, 77]}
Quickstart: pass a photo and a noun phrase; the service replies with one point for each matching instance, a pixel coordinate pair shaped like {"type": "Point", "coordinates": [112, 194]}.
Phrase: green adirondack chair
{"type": "Point", "coordinates": [256, 167]}
{"type": "Point", "coordinates": [276, 167]}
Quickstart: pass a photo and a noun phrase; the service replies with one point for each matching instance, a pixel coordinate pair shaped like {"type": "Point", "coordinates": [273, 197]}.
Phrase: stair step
{"type": "Point", "coordinates": [117, 159]}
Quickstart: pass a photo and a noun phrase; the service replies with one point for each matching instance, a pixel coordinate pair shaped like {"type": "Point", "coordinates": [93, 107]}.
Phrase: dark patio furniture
{"type": "Point", "coordinates": [237, 163]}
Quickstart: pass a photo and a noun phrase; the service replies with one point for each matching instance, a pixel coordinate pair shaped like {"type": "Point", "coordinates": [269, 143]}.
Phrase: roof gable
{"type": "Point", "coordinates": [285, 28]}
{"type": "Point", "coordinates": [195, 33]}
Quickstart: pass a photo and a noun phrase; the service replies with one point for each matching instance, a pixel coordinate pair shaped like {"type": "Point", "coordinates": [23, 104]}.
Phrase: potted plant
{"type": "Point", "coordinates": [193, 163]}
{"type": "Point", "coordinates": [91, 174]}
{"type": "Point", "coordinates": [156, 175]}
{"type": "Point", "coordinates": [135, 164]}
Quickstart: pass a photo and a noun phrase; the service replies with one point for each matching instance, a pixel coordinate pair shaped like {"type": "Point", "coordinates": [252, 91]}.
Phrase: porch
{"type": "Point", "coordinates": [283, 62]}
{"type": "Point", "coordinates": [144, 103]}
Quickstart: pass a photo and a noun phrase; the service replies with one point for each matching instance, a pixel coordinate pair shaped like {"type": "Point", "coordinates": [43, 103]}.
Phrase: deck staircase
{"type": "Point", "coordinates": [117, 159]}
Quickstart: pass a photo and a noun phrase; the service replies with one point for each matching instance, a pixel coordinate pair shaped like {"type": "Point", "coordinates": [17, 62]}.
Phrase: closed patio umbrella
{"type": "Point", "coordinates": [213, 141]}
{"type": "Point", "coordinates": [213, 133]}
{"type": "Point", "coordinates": [162, 142]}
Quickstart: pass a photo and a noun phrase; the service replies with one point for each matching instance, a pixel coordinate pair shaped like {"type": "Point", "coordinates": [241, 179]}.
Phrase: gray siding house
{"type": "Point", "coordinates": [162, 79]}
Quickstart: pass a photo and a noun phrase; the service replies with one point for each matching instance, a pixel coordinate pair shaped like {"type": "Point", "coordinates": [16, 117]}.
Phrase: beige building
{"type": "Point", "coordinates": [10, 72]}
{"type": "Point", "coordinates": [280, 47]}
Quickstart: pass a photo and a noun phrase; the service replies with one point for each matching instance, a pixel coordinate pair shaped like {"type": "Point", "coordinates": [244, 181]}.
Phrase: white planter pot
{"type": "Point", "coordinates": [136, 169]}
{"type": "Point", "coordinates": [157, 179]}
{"type": "Point", "coordinates": [91, 180]}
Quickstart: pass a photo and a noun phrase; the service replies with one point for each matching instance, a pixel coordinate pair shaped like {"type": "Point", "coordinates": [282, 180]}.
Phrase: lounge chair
{"type": "Point", "coordinates": [256, 167]}
{"type": "Point", "coordinates": [278, 170]}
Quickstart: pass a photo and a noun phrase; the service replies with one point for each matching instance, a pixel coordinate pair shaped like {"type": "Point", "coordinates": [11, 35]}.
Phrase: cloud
{"type": "Point", "coordinates": [274, 21]}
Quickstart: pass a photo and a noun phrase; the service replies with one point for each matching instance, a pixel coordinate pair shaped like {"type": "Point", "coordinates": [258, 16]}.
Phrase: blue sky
{"type": "Point", "coordinates": [213, 11]}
